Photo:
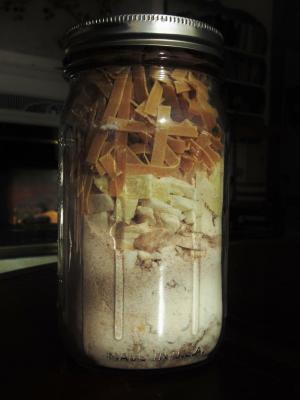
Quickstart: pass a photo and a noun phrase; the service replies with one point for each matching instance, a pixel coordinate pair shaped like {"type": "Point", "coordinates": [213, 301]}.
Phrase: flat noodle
{"type": "Point", "coordinates": [216, 143]}
{"type": "Point", "coordinates": [171, 99]}
{"type": "Point", "coordinates": [159, 148]}
{"type": "Point", "coordinates": [125, 125]}
{"type": "Point", "coordinates": [115, 99]}
{"type": "Point", "coordinates": [139, 110]}
{"type": "Point", "coordinates": [96, 147]}
{"type": "Point", "coordinates": [209, 115]}
{"type": "Point", "coordinates": [140, 84]}
{"type": "Point", "coordinates": [177, 145]}
{"type": "Point", "coordinates": [171, 158]}
{"type": "Point", "coordinates": [182, 129]}
{"type": "Point", "coordinates": [132, 158]}
{"type": "Point", "coordinates": [107, 147]}
{"type": "Point", "coordinates": [109, 164]}
{"type": "Point", "coordinates": [141, 169]}
{"type": "Point", "coordinates": [140, 148]}
{"type": "Point", "coordinates": [200, 87]}
{"type": "Point", "coordinates": [186, 164]}
{"type": "Point", "coordinates": [124, 109]}
{"type": "Point", "coordinates": [204, 139]}
{"type": "Point", "coordinates": [164, 115]}
{"type": "Point", "coordinates": [179, 74]}
{"type": "Point", "coordinates": [99, 168]}
{"type": "Point", "coordinates": [181, 86]}
{"type": "Point", "coordinates": [121, 138]}
{"type": "Point", "coordinates": [117, 183]}
{"type": "Point", "coordinates": [201, 153]}
{"type": "Point", "coordinates": [154, 99]}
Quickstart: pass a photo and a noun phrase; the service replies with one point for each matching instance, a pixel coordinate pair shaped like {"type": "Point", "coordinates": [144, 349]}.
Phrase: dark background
{"type": "Point", "coordinates": [260, 353]}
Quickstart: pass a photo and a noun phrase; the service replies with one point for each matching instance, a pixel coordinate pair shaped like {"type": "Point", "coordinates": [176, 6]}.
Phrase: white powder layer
{"type": "Point", "coordinates": [157, 304]}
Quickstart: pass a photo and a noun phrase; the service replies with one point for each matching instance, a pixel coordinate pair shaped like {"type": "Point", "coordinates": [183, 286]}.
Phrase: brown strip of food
{"type": "Point", "coordinates": [125, 125]}
{"type": "Point", "coordinates": [140, 84]}
{"type": "Point", "coordinates": [181, 86]}
{"type": "Point", "coordinates": [124, 109]}
{"type": "Point", "coordinates": [171, 158]}
{"type": "Point", "coordinates": [154, 99]}
{"type": "Point", "coordinates": [107, 147]}
{"type": "Point", "coordinates": [177, 145]}
{"type": "Point", "coordinates": [99, 168]}
{"type": "Point", "coordinates": [201, 153]}
{"type": "Point", "coordinates": [182, 129]}
{"type": "Point", "coordinates": [115, 99]}
{"type": "Point", "coordinates": [164, 115]}
{"type": "Point", "coordinates": [140, 148]}
{"type": "Point", "coordinates": [139, 110]}
{"type": "Point", "coordinates": [216, 143]}
{"type": "Point", "coordinates": [109, 164]}
{"type": "Point", "coordinates": [132, 158]}
{"type": "Point", "coordinates": [171, 99]}
{"type": "Point", "coordinates": [117, 183]}
{"type": "Point", "coordinates": [186, 163]}
{"type": "Point", "coordinates": [209, 115]}
{"type": "Point", "coordinates": [96, 147]}
{"type": "Point", "coordinates": [179, 74]}
{"type": "Point", "coordinates": [159, 148]}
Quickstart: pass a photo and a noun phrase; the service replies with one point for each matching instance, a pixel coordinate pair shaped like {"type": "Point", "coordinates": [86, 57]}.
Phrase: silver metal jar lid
{"type": "Point", "coordinates": [157, 30]}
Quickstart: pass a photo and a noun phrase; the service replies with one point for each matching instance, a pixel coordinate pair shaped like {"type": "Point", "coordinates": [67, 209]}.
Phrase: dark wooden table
{"type": "Point", "coordinates": [256, 360]}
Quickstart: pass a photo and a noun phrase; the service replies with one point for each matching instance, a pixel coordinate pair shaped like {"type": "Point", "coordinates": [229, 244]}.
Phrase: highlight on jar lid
{"type": "Point", "coordinates": [144, 30]}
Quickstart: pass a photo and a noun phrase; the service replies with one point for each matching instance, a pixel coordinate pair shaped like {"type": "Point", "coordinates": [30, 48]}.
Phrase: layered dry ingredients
{"type": "Point", "coordinates": [151, 196]}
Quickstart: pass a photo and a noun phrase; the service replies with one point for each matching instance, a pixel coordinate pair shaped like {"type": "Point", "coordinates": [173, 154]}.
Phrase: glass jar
{"type": "Point", "coordinates": [142, 239]}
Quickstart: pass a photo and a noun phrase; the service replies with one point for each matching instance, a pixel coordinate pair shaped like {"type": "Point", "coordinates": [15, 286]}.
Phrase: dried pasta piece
{"type": "Point", "coordinates": [109, 164]}
{"type": "Point", "coordinates": [96, 147]}
{"type": "Point", "coordinates": [131, 157]}
{"type": "Point", "coordinates": [154, 99]}
{"type": "Point", "coordinates": [107, 147]}
{"type": "Point", "coordinates": [200, 87]}
{"type": "Point", "coordinates": [171, 158]}
{"type": "Point", "coordinates": [140, 84]}
{"type": "Point", "coordinates": [99, 168]}
{"type": "Point", "coordinates": [164, 115]}
{"type": "Point", "coordinates": [171, 98]}
{"type": "Point", "coordinates": [181, 86]}
{"type": "Point", "coordinates": [201, 153]}
{"type": "Point", "coordinates": [209, 115]}
{"type": "Point", "coordinates": [139, 110]}
{"type": "Point", "coordinates": [179, 74]}
{"type": "Point", "coordinates": [186, 163]}
{"type": "Point", "coordinates": [177, 145]}
{"type": "Point", "coordinates": [125, 125]}
{"type": "Point", "coordinates": [115, 99]}
{"type": "Point", "coordinates": [182, 129]}
{"type": "Point", "coordinates": [159, 148]}
{"type": "Point", "coordinates": [140, 148]}
{"type": "Point", "coordinates": [216, 143]}
{"type": "Point", "coordinates": [124, 109]}
{"type": "Point", "coordinates": [117, 183]}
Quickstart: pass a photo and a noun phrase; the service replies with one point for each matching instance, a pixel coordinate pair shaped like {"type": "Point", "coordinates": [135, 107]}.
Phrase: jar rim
{"type": "Point", "coordinates": [143, 30]}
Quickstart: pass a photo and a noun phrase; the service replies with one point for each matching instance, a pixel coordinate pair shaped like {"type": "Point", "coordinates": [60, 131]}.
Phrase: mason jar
{"type": "Point", "coordinates": [143, 210]}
